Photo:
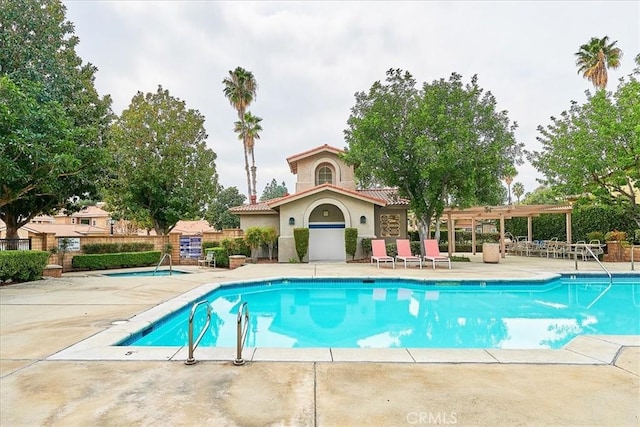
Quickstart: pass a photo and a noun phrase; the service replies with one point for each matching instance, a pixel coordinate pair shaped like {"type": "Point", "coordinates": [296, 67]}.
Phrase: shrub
{"type": "Point", "coordinates": [207, 245]}
{"type": "Point", "coordinates": [366, 246]}
{"type": "Point", "coordinates": [351, 241]}
{"type": "Point", "coordinates": [117, 260]}
{"type": "Point", "coordinates": [595, 235]}
{"type": "Point", "coordinates": [253, 237]}
{"type": "Point", "coordinates": [21, 266]}
{"type": "Point", "coordinates": [112, 248]}
{"type": "Point", "coordinates": [220, 255]}
{"type": "Point", "coordinates": [270, 237]}
{"type": "Point", "coordinates": [615, 236]}
{"type": "Point", "coordinates": [301, 238]}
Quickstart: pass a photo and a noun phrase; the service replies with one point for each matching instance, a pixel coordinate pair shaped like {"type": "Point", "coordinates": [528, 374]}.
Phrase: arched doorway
{"type": "Point", "coordinates": [326, 233]}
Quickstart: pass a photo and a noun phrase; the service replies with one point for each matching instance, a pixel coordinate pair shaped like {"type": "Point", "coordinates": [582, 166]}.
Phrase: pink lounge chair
{"type": "Point", "coordinates": [432, 253]}
{"type": "Point", "coordinates": [404, 253]}
{"type": "Point", "coordinates": [379, 250]}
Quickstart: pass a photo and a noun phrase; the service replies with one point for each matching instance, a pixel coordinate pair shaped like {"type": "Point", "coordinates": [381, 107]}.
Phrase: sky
{"type": "Point", "coordinates": [310, 58]}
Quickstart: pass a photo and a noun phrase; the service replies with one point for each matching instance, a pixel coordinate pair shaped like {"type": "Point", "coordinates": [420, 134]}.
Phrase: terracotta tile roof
{"type": "Point", "coordinates": [193, 227]}
{"type": "Point", "coordinates": [389, 195]}
{"type": "Point", "coordinates": [325, 187]}
{"type": "Point", "coordinates": [293, 160]}
{"type": "Point", "coordinates": [260, 207]}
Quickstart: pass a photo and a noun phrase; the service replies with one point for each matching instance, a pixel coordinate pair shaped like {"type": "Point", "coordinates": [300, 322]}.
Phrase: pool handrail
{"type": "Point", "coordinates": [243, 312]}
{"type": "Point", "coordinates": [588, 249]}
{"type": "Point", "coordinates": [193, 345]}
{"type": "Point", "coordinates": [160, 263]}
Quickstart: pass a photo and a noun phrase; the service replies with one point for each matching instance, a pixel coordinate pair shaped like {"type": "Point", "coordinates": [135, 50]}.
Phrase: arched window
{"type": "Point", "coordinates": [324, 174]}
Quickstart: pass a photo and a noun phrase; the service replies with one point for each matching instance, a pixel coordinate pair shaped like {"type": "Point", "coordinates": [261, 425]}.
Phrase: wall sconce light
{"type": "Point", "coordinates": [363, 219]}
{"type": "Point", "coordinates": [325, 213]}
{"type": "Point", "coordinates": [292, 221]}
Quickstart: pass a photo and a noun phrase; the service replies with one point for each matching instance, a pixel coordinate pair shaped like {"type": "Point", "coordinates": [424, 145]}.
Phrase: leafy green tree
{"type": "Point", "coordinates": [270, 237]}
{"type": "Point", "coordinates": [254, 238]}
{"type": "Point", "coordinates": [240, 89]}
{"type": "Point", "coordinates": [218, 213]}
{"type": "Point", "coordinates": [594, 58]}
{"type": "Point", "coordinates": [544, 195]}
{"type": "Point", "coordinates": [594, 149]}
{"type": "Point", "coordinates": [442, 144]}
{"type": "Point", "coordinates": [163, 169]}
{"type": "Point", "coordinates": [518, 190]}
{"type": "Point", "coordinates": [51, 117]}
{"type": "Point", "coordinates": [274, 190]}
{"type": "Point", "coordinates": [248, 131]}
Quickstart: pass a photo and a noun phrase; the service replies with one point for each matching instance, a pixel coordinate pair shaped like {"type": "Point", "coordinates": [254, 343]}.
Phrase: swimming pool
{"type": "Point", "coordinates": [388, 313]}
{"type": "Point", "coordinates": [145, 273]}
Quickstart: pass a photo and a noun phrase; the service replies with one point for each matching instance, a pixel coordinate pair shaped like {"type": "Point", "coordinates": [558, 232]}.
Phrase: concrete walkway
{"type": "Point", "coordinates": [40, 321]}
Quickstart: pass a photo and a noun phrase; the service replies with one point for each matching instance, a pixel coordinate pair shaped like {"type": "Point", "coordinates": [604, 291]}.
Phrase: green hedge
{"type": "Point", "coordinates": [121, 260]}
{"type": "Point", "coordinates": [21, 266]}
{"type": "Point", "coordinates": [114, 248]}
{"type": "Point", "coordinates": [584, 220]}
{"type": "Point", "coordinates": [207, 245]}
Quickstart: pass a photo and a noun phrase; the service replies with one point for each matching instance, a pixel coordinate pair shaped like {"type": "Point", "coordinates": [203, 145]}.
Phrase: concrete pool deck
{"type": "Point", "coordinates": [593, 381]}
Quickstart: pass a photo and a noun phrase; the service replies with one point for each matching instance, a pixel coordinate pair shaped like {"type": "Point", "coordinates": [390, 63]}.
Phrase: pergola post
{"type": "Point", "coordinates": [569, 237]}
{"type": "Point", "coordinates": [451, 234]}
{"type": "Point", "coordinates": [503, 252]}
{"type": "Point", "coordinates": [530, 228]}
{"type": "Point", "coordinates": [473, 236]}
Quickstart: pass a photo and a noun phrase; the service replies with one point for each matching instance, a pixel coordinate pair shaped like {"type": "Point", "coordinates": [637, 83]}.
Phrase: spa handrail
{"type": "Point", "coordinates": [193, 345]}
{"type": "Point", "coordinates": [243, 313]}
{"type": "Point", "coordinates": [160, 263]}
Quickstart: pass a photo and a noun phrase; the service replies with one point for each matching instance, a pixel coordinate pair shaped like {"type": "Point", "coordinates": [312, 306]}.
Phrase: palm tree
{"type": "Point", "coordinates": [595, 57]}
{"type": "Point", "coordinates": [518, 190]}
{"type": "Point", "coordinates": [248, 131]}
{"type": "Point", "coordinates": [240, 89]}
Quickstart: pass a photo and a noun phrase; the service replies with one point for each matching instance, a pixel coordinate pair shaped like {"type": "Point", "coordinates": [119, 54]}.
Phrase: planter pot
{"type": "Point", "coordinates": [491, 253]}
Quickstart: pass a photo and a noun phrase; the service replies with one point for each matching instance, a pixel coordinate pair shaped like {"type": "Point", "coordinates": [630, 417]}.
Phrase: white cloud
{"type": "Point", "coordinates": [309, 59]}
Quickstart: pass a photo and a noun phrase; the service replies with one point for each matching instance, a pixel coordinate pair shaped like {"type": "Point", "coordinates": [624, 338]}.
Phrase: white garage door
{"type": "Point", "coordinates": [326, 242]}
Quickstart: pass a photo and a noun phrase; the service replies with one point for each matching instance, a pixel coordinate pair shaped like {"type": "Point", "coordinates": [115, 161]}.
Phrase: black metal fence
{"type": "Point", "coordinates": [15, 244]}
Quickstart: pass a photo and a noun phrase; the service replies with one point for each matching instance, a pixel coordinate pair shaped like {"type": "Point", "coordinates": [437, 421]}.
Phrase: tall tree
{"type": "Point", "coordinates": [518, 190]}
{"type": "Point", "coordinates": [248, 131]}
{"type": "Point", "coordinates": [51, 117]}
{"type": "Point", "coordinates": [594, 149]}
{"type": "Point", "coordinates": [218, 213]}
{"type": "Point", "coordinates": [274, 190]}
{"type": "Point", "coordinates": [163, 169]}
{"type": "Point", "coordinates": [595, 58]}
{"type": "Point", "coordinates": [442, 144]}
{"type": "Point", "coordinates": [240, 88]}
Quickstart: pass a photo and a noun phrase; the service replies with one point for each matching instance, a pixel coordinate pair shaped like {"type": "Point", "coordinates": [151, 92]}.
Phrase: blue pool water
{"type": "Point", "coordinates": [385, 313]}
{"type": "Point", "coordinates": [158, 273]}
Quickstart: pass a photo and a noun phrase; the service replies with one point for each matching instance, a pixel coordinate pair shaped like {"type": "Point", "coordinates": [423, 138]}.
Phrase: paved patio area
{"type": "Point", "coordinates": [44, 381]}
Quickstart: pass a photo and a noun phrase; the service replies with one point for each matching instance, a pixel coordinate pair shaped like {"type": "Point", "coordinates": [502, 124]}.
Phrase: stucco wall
{"type": "Point", "coordinates": [302, 210]}
{"type": "Point", "coordinates": [343, 174]}
{"type": "Point", "coordinates": [264, 220]}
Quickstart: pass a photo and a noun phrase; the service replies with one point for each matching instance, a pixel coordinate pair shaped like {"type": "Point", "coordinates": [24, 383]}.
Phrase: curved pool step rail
{"type": "Point", "coordinates": [193, 345]}
{"type": "Point", "coordinates": [243, 327]}
{"type": "Point", "coordinates": [160, 263]}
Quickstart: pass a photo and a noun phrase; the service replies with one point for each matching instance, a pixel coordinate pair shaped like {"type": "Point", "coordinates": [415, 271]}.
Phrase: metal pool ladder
{"type": "Point", "coordinates": [243, 313]}
{"type": "Point", "coordinates": [588, 249]}
{"type": "Point", "coordinates": [160, 263]}
{"type": "Point", "coordinates": [193, 345]}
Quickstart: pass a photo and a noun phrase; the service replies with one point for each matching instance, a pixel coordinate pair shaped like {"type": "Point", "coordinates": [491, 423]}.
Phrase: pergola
{"type": "Point", "coordinates": [501, 213]}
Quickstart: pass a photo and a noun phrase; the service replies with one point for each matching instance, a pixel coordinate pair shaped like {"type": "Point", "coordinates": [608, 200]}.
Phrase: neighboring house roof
{"type": "Point", "coordinates": [192, 227]}
{"type": "Point", "coordinates": [293, 160]}
{"type": "Point", "coordinates": [88, 212]}
{"type": "Point", "coordinates": [65, 230]}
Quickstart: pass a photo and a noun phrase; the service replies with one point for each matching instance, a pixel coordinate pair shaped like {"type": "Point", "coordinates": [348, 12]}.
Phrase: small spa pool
{"type": "Point", "coordinates": [145, 273]}
{"type": "Point", "coordinates": [406, 313]}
